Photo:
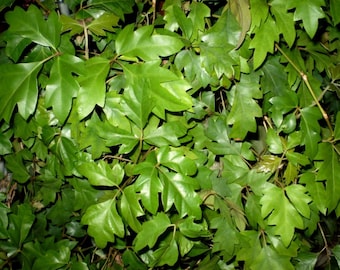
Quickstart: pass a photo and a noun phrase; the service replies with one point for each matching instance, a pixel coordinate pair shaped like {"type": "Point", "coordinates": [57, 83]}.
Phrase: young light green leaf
{"type": "Point", "coordinates": [145, 44]}
{"type": "Point", "coordinates": [130, 208]}
{"type": "Point", "coordinates": [101, 173]}
{"type": "Point", "coordinates": [92, 85]}
{"type": "Point", "coordinates": [61, 89]}
{"type": "Point", "coordinates": [259, 12]}
{"type": "Point", "coordinates": [39, 30]}
{"type": "Point", "coordinates": [104, 222]}
{"type": "Point", "coordinates": [280, 213]}
{"type": "Point", "coordinates": [72, 25]}
{"type": "Point", "coordinates": [274, 142]}
{"type": "Point", "coordinates": [19, 86]}
{"type": "Point", "coordinates": [309, 11]}
{"type": "Point", "coordinates": [180, 191]}
{"type": "Point", "coordinates": [105, 22]}
{"type": "Point", "coordinates": [151, 231]}
{"type": "Point", "coordinates": [298, 197]}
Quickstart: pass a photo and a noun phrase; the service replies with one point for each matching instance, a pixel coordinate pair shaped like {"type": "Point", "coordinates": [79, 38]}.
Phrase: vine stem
{"type": "Point", "coordinates": [310, 89]}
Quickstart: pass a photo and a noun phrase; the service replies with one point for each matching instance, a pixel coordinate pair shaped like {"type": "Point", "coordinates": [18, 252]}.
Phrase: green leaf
{"type": "Point", "coordinates": [101, 173]}
{"type": "Point", "coordinates": [53, 259]}
{"type": "Point", "coordinates": [104, 222]}
{"type": "Point", "coordinates": [259, 12]}
{"type": "Point", "coordinates": [148, 184]}
{"type": "Point", "coordinates": [311, 129]}
{"type": "Point", "coordinates": [263, 42]}
{"type": "Point", "coordinates": [167, 253]}
{"type": "Point", "coordinates": [130, 208]}
{"type": "Point", "coordinates": [274, 142]}
{"type": "Point", "coordinates": [193, 230]}
{"type": "Point", "coordinates": [92, 85]}
{"type": "Point", "coordinates": [198, 14]}
{"type": "Point", "coordinates": [19, 86]}
{"type": "Point", "coordinates": [145, 44]}
{"type": "Point", "coordinates": [306, 261]}
{"type": "Point", "coordinates": [151, 231]}
{"type": "Point", "coordinates": [284, 20]}
{"type": "Point", "coordinates": [175, 18]}
{"type": "Point", "coordinates": [6, 3]}
{"type": "Point", "coordinates": [72, 25]}
{"type": "Point", "coordinates": [316, 189]}
{"type": "Point", "coordinates": [337, 127]}
{"type": "Point", "coordinates": [39, 30]}
{"type": "Point", "coordinates": [167, 89]}
{"type": "Point", "coordinates": [242, 13]}
{"type": "Point", "coordinates": [138, 102]}
{"type": "Point", "coordinates": [61, 89]}
{"type": "Point", "coordinates": [268, 258]}
{"type": "Point", "coordinates": [336, 253]}
{"type": "Point", "coordinates": [298, 197]}
{"type": "Point", "coordinates": [281, 213]}
{"type": "Point", "coordinates": [335, 11]}
{"type": "Point", "coordinates": [117, 7]}
{"type": "Point", "coordinates": [20, 224]}
{"type": "Point", "coordinates": [309, 11]}
{"type": "Point", "coordinates": [5, 143]}
{"type": "Point", "coordinates": [105, 22]}
{"type": "Point", "coordinates": [15, 164]}
{"type": "Point", "coordinates": [329, 172]}
{"type": "Point", "coordinates": [180, 191]}
{"type": "Point", "coordinates": [244, 108]}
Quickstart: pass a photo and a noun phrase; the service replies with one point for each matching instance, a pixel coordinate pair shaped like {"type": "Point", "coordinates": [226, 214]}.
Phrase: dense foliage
{"type": "Point", "coordinates": [170, 135]}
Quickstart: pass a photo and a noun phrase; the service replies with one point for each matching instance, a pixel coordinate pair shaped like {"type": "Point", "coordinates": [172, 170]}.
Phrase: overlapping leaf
{"type": "Point", "coordinates": [104, 222]}
{"type": "Point", "coordinates": [167, 90]}
{"type": "Point", "coordinates": [60, 90]}
{"type": "Point", "coordinates": [92, 85]}
{"type": "Point", "coordinates": [309, 11]}
{"type": "Point", "coordinates": [144, 44]}
{"type": "Point", "coordinates": [39, 30]}
{"type": "Point", "coordinates": [104, 23]}
{"type": "Point", "coordinates": [19, 86]}
{"type": "Point", "coordinates": [285, 214]}
{"type": "Point", "coordinates": [244, 108]}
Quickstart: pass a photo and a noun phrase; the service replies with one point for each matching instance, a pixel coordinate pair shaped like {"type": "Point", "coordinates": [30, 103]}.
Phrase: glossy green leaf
{"type": "Point", "coordinates": [138, 102]}
{"type": "Point", "coordinates": [130, 208]}
{"type": "Point", "coordinates": [259, 12]}
{"type": "Point", "coordinates": [19, 87]}
{"type": "Point", "coordinates": [144, 44]}
{"type": "Point", "coordinates": [244, 108]}
{"type": "Point", "coordinates": [53, 259]}
{"type": "Point", "coordinates": [281, 213]}
{"type": "Point", "coordinates": [101, 173]}
{"type": "Point", "coordinates": [179, 190]}
{"type": "Point", "coordinates": [92, 85]}
{"type": "Point", "coordinates": [167, 254]}
{"type": "Point", "coordinates": [298, 197]}
{"type": "Point", "coordinates": [151, 231]}
{"type": "Point", "coordinates": [175, 18]}
{"type": "Point", "coordinates": [336, 253]}
{"type": "Point", "coordinates": [309, 12]}
{"type": "Point", "coordinates": [61, 89]}
{"type": "Point", "coordinates": [117, 7]}
{"type": "Point", "coordinates": [39, 30]}
{"type": "Point", "coordinates": [263, 42]}
{"type": "Point", "coordinates": [149, 185]}
{"type": "Point", "coordinates": [104, 222]}
{"type": "Point", "coordinates": [167, 89]}
{"type": "Point", "coordinates": [274, 142]}
{"type": "Point", "coordinates": [193, 230]}
{"type": "Point", "coordinates": [20, 224]}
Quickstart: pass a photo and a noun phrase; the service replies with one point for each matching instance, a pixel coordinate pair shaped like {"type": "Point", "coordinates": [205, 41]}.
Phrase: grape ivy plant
{"type": "Point", "coordinates": [170, 134]}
